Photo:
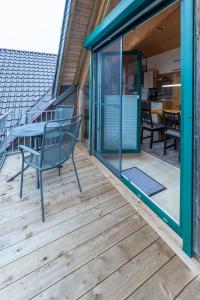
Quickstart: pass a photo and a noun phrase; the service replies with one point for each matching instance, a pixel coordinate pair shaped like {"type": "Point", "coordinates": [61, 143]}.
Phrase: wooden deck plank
{"type": "Point", "coordinates": [49, 176]}
{"type": "Point", "coordinates": [59, 215]}
{"type": "Point", "coordinates": [192, 291]}
{"type": "Point", "coordinates": [62, 229]}
{"type": "Point", "coordinates": [52, 187]}
{"type": "Point", "coordinates": [52, 177]}
{"type": "Point", "coordinates": [97, 270]}
{"type": "Point", "coordinates": [52, 206]}
{"type": "Point", "coordinates": [133, 274]}
{"type": "Point", "coordinates": [167, 283]}
{"type": "Point", "coordinates": [93, 244]}
{"type": "Point", "coordinates": [29, 263]}
{"type": "Point", "coordinates": [80, 255]}
{"type": "Point", "coordinates": [66, 264]}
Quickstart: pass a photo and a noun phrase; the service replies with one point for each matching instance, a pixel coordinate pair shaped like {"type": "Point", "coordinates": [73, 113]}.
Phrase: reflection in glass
{"type": "Point", "coordinates": [108, 106]}
{"type": "Point", "coordinates": [158, 41]}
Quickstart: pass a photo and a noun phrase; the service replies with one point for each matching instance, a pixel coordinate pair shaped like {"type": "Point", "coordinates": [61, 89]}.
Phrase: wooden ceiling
{"type": "Point", "coordinates": [161, 33]}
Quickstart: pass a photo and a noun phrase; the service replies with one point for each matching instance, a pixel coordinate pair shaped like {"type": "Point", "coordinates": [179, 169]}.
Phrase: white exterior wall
{"type": "Point", "coordinates": [165, 62]}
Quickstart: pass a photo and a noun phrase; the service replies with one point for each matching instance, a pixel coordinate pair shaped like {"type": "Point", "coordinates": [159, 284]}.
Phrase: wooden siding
{"type": "Point", "coordinates": [79, 24]}
{"type": "Point", "coordinates": [112, 5]}
{"type": "Point", "coordinates": [86, 15]}
{"type": "Point", "coordinates": [93, 245]}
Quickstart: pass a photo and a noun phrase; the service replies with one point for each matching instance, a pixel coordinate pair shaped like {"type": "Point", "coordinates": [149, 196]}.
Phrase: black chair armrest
{"type": "Point", "coordinates": [30, 150]}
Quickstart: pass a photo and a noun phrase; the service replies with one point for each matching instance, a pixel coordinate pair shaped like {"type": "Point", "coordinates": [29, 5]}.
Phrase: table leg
{"type": "Point", "coordinates": [16, 175]}
{"type": "Point", "coordinates": [20, 172]}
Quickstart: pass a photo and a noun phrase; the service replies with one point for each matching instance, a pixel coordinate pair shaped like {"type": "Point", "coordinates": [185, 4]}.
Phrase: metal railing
{"type": "Point", "coordinates": [40, 112]}
{"type": "Point", "coordinates": [29, 117]}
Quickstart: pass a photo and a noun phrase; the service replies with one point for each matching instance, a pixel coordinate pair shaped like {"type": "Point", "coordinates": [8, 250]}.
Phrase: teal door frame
{"type": "Point", "coordinates": [110, 25]}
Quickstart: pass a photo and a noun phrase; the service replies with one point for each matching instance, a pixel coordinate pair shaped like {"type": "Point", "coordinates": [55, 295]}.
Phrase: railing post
{"type": "Point", "coordinates": [80, 111]}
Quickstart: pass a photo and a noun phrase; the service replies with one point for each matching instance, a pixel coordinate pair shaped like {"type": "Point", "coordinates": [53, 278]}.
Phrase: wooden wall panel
{"type": "Point", "coordinates": [87, 15]}
{"type": "Point", "coordinates": [80, 21]}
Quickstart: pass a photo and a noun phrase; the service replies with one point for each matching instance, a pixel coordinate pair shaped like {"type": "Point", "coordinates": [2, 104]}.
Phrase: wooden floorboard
{"type": "Point", "coordinates": [166, 283]}
{"type": "Point", "coordinates": [93, 245]}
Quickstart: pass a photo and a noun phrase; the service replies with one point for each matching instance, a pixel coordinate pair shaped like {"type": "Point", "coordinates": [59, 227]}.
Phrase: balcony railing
{"type": "Point", "coordinates": [29, 117]}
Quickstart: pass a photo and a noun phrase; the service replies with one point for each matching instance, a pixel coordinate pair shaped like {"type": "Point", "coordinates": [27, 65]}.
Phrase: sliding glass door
{"type": "Point", "coordinates": [131, 102]}
{"type": "Point", "coordinates": [108, 106]}
{"type": "Point", "coordinates": [117, 105]}
{"type": "Point", "coordinates": [161, 82]}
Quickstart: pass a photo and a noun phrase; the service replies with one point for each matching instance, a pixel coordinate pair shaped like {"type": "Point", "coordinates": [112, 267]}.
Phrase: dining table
{"type": "Point", "coordinates": [160, 111]}
{"type": "Point", "coordinates": [34, 131]}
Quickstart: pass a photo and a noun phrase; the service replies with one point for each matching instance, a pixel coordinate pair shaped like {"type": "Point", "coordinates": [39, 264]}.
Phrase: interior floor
{"type": "Point", "coordinates": [172, 156]}
{"type": "Point", "coordinates": [167, 175]}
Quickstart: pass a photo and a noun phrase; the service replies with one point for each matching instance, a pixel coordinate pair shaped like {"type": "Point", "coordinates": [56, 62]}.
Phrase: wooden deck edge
{"type": "Point", "coordinates": [162, 229]}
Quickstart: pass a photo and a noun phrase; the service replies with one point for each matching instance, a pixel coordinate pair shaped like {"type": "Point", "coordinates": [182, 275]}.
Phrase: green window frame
{"type": "Point", "coordinates": [109, 30]}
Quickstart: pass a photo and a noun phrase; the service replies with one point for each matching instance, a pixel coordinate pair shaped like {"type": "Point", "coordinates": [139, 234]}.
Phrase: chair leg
{"type": "Point", "coordinates": [165, 145]}
{"type": "Point", "coordinates": [142, 133]}
{"type": "Point", "coordinates": [37, 183]}
{"type": "Point", "coordinates": [59, 170]}
{"type": "Point", "coordinates": [22, 178]}
{"type": "Point", "coordinates": [76, 173]}
{"type": "Point", "coordinates": [175, 144]}
{"type": "Point", "coordinates": [41, 196]}
{"type": "Point", "coordinates": [151, 142]}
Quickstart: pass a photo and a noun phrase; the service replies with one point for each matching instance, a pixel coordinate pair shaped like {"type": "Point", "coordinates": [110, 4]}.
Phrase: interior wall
{"type": "Point", "coordinates": [165, 62]}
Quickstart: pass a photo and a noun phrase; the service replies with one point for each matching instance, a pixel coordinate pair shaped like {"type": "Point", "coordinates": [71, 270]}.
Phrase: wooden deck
{"type": "Point", "coordinates": [93, 245]}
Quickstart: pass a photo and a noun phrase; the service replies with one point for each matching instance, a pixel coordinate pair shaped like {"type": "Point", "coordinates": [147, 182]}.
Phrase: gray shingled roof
{"type": "Point", "coordinates": [25, 77]}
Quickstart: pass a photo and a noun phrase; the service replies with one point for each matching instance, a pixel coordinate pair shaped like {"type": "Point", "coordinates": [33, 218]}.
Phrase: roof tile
{"type": "Point", "coordinates": [25, 77]}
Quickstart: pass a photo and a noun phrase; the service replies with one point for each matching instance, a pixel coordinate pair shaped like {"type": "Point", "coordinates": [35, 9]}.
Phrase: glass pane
{"type": "Point", "coordinates": [155, 171]}
{"type": "Point", "coordinates": [108, 106]}
{"type": "Point", "coordinates": [130, 101]}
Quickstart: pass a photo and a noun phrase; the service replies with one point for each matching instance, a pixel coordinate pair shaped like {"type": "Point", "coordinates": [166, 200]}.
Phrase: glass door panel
{"type": "Point", "coordinates": [152, 69]}
{"type": "Point", "coordinates": [131, 101]}
{"type": "Point", "coordinates": [108, 106]}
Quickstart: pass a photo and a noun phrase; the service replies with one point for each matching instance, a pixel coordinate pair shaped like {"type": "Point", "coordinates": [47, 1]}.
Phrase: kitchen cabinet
{"type": "Point", "coordinates": [150, 79]}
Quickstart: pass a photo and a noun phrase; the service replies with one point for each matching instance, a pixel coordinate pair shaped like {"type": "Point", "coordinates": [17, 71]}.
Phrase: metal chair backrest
{"type": "Point", "coordinates": [59, 140]}
{"type": "Point", "coordinates": [64, 112]}
{"type": "Point", "coordinates": [147, 117]}
{"type": "Point", "coordinates": [172, 120]}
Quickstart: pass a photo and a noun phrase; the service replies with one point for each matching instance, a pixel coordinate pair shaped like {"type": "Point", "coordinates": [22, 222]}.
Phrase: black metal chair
{"type": "Point", "coordinates": [172, 130]}
{"type": "Point", "coordinates": [58, 144]}
{"type": "Point", "coordinates": [147, 124]}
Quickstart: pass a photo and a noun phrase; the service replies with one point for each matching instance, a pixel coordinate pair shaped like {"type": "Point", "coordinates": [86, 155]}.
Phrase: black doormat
{"type": "Point", "coordinates": [144, 182]}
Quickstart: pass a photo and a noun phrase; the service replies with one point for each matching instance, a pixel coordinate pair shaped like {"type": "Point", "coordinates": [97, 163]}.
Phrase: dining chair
{"type": "Point", "coordinates": [172, 130]}
{"type": "Point", "coordinates": [58, 143]}
{"type": "Point", "coordinates": [148, 125]}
